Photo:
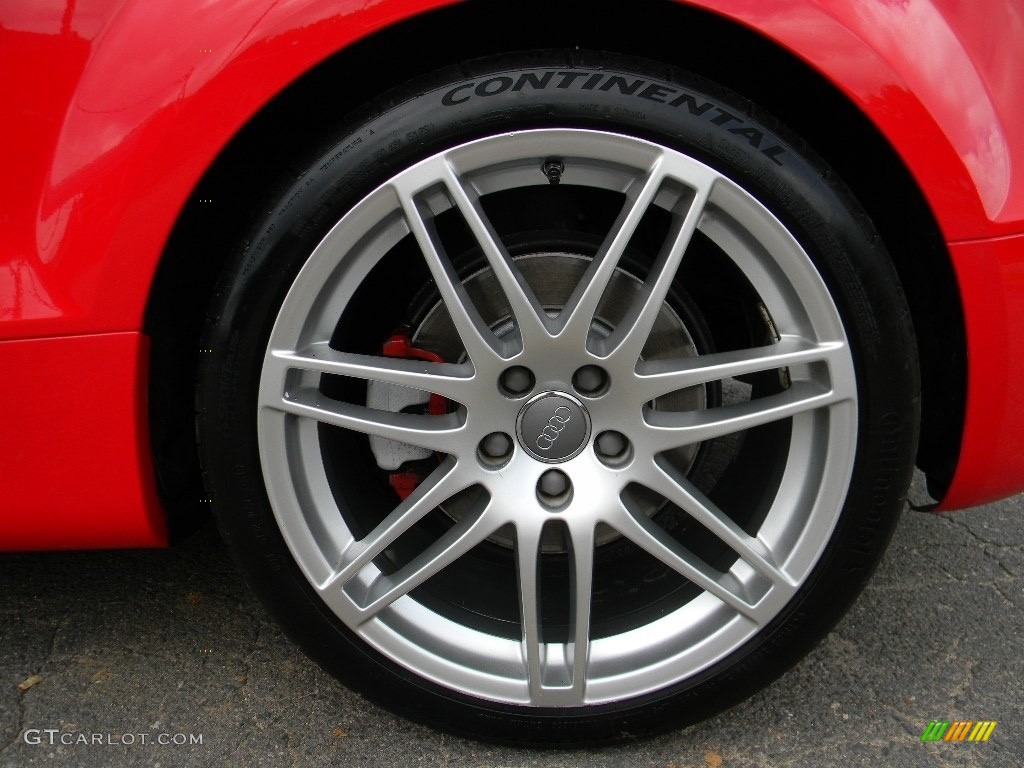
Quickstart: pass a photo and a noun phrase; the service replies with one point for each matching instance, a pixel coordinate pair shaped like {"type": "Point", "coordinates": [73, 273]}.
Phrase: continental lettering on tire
{"type": "Point", "coordinates": [637, 87]}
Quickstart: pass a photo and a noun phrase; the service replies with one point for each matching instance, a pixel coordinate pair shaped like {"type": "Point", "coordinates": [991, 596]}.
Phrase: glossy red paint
{"type": "Point", "coordinates": [108, 169]}
{"type": "Point", "coordinates": [76, 466]}
{"type": "Point", "coordinates": [116, 109]}
{"type": "Point", "coordinates": [991, 274]}
{"type": "Point", "coordinates": [142, 105]}
{"type": "Point", "coordinates": [106, 139]}
{"type": "Point", "coordinates": [937, 77]}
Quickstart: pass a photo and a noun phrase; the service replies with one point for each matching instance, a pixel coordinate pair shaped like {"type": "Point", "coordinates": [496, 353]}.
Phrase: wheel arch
{"type": "Point", "coordinates": [221, 208]}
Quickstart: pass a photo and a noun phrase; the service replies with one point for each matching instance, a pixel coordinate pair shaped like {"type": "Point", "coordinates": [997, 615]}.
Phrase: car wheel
{"type": "Point", "coordinates": [562, 398]}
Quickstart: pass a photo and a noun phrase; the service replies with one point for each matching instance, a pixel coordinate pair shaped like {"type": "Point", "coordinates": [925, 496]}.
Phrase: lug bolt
{"type": "Point", "coordinates": [611, 443]}
{"type": "Point", "coordinates": [554, 488]}
{"type": "Point", "coordinates": [612, 447]}
{"type": "Point", "coordinates": [517, 380]}
{"type": "Point", "coordinates": [496, 445]}
{"type": "Point", "coordinates": [553, 483]}
{"type": "Point", "coordinates": [589, 380]}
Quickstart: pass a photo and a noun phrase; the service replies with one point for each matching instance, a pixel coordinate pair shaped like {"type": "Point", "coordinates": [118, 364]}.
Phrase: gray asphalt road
{"type": "Point", "coordinates": [168, 646]}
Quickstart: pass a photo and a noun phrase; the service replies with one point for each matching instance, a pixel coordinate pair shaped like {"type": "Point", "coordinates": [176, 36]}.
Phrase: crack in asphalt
{"type": "Point", "coordinates": [999, 588]}
{"type": "Point", "coordinates": [955, 520]}
{"type": "Point", "coordinates": [998, 561]}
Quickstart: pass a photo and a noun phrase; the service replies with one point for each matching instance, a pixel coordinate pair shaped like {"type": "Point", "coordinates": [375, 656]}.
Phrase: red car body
{"type": "Point", "coordinates": [115, 109]}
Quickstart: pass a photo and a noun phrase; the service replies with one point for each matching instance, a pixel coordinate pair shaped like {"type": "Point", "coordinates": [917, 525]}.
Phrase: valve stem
{"type": "Point", "coordinates": [553, 169]}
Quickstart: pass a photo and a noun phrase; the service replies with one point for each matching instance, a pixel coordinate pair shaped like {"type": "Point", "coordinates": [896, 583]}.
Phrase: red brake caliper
{"type": "Point", "coordinates": [400, 345]}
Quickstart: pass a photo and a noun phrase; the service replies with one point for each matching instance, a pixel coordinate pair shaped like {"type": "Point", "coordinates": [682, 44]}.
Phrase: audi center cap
{"type": "Point", "coordinates": [553, 427]}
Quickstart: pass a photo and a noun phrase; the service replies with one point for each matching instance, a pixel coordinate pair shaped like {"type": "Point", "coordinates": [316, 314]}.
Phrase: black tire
{"type": "Point", "coordinates": [717, 305]}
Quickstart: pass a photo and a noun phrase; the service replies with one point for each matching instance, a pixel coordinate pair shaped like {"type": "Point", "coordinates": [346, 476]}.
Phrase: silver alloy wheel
{"type": "Point", "coordinates": [772, 562]}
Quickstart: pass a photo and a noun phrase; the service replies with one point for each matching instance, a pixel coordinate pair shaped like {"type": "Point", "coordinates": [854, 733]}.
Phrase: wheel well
{"type": "Point", "coordinates": [267, 153]}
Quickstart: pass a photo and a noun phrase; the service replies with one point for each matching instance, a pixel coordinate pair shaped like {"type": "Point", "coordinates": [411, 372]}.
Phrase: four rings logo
{"type": "Point", "coordinates": [547, 437]}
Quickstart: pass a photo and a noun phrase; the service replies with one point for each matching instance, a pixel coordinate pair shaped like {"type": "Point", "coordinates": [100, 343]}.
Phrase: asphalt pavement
{"type": "Point", "coordinates": [162, 658]}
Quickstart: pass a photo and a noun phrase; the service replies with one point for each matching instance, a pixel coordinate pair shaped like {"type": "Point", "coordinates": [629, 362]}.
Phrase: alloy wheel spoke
{"type": "Point", "coordinates": [581, 306]}
{"type": "Point", "coordinates": [657, 542]}
{"type": "Point", "coordinates": [480, 343]}
{"type": "Point", "coordinates": [666, 481]}
{"type": "Point", "coordinates": [527, 551]}
{"type": "Point", "coordinates": [454, 381]}
{"type": "Point", "coordinates": [581, 587]}
{"type": "Point", "coordinates": [444, 433]}
{"type": "Point", "coordinates": [443, 483]}
{"type": "Point", "coordinates": [527, 311]}
{"type": "Point", "coordinates": [659, 377]}
{"type": "Point", "coordinates": [469, 531]}
{"type": "Point", "coordinates": [671, 429]}
{"type": "Point", "coordinates": [556, 672]}
{"type": "Point", "coordinates": [631, 335]}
